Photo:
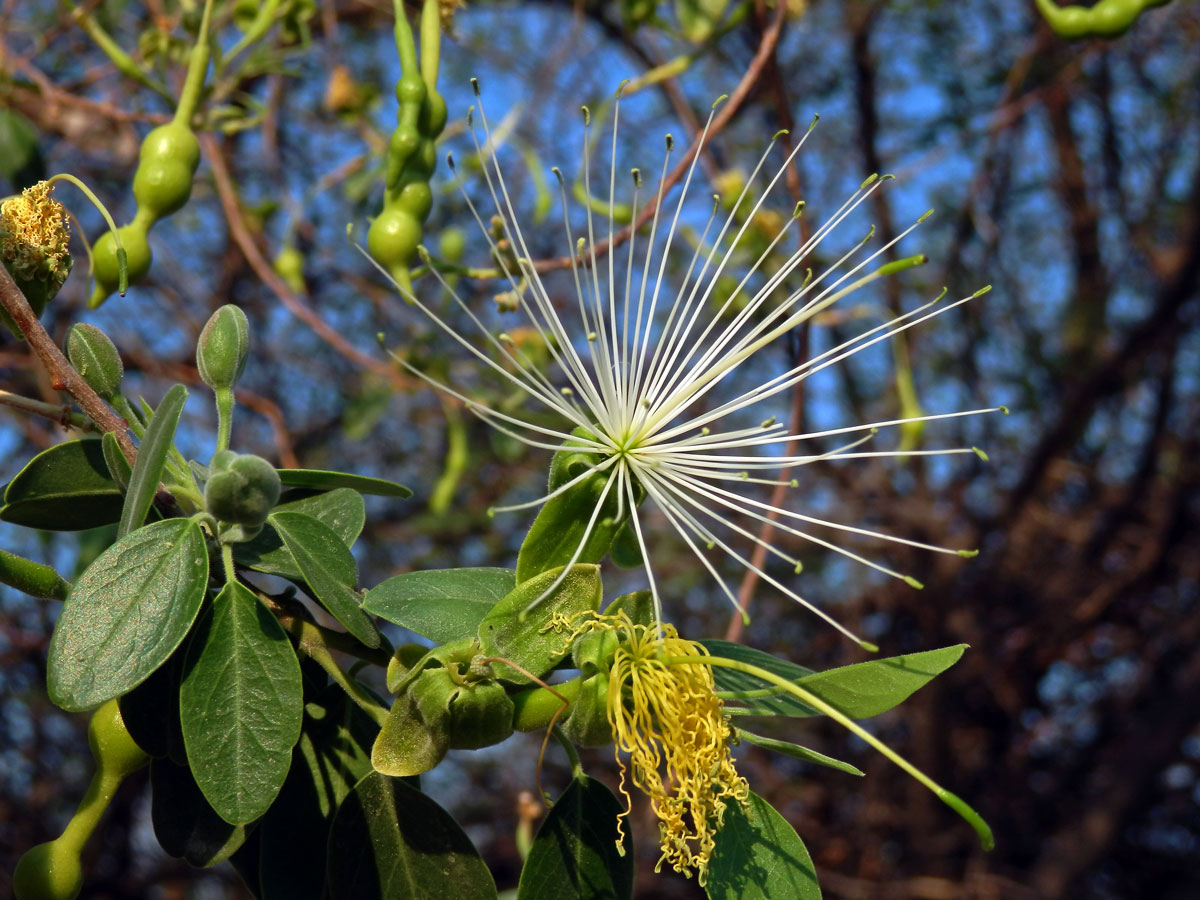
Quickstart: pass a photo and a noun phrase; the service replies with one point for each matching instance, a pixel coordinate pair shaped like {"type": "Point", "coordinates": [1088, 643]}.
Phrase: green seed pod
{"type": "Point", "coordinates": [481, 714]}
{"type": "Point", "coordinates": [452, 244]}
{"type": "Point", "coordinates": [393, 238]}
{"type": "Point", "coordinates": [50, 871]}
{"type": "Point", "coordinates": [587, 723]}
{"type": "Point", "coordinates": [96, 359]}
{"type": "Point", "coordinates": [289, 265]}
{"type": "Point", "coordinates": [244, 491]}
{"type": "Point", "coordinates": [104, 259]}
{"type": "Point", "coordinates": [115, 751]}
{"type": "Point", "coordinates": [223, 348]}
{"type": "Point", "coordinates": [33, 246]}
{"type": "Point", "coordinates": [162, 187]}
{"type": "Point", "coordinates": [172, 142]}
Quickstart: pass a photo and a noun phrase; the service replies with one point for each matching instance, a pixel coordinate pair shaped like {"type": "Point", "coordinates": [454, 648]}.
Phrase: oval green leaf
{"type": "Point", "coordinates": [391, 842]}
{"type": "Point", "coordinates": [321, 480]}
{"type": "Point", "coordinates": [759, 856]}
{"type": "Point", "coordinates": [443, 605]}
{"type": "Point", "coordinates": [64, 488]}
{"type": "Point", "coordinates": [328, 568]}
{"type": "Point", "coordinates": [152, 455]}
{"type": "Point", "coordinates": [127, 613]}
{"type": "Point", "coordinates": [240, 705]}
{"type": "Point", "coordinates": [771, 704]}
{"type": "Point", "coordinates": [574, 855]}
{"type": "Point", "coordinates": [870, 688]}
{"type": "Point", "coordinates": [510, 632]}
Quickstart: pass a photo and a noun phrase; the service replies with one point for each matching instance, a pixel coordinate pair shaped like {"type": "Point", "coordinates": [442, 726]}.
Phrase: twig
{"type": "Point", "coordinates": [63, 376]}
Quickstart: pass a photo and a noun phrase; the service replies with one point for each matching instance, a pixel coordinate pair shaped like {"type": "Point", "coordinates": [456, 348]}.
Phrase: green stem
{"type": "Point", "coordinates": [125, 409]}
{"type": "Point", "coordinates": [227, 562]}
{"type": "Point", "coordinates": [120, 59]}
{"type": "Point", "coordinates": [32, 578]}
{"type": "Point", "coordinates": [536, 708]}
{"type": "Point", "coordinates": [569, 749]}
{"type": "Point", "coordinates": [311, 640]}
{"type": "Point", "coordinates": [56, 412]}
{"type": "Point", "coordinates": [189, 97]}
{"type": "Point", "coordinates": [122, 258]}
{"type": "Point", "coordinates": [260, 26]}
{"type": "Point", "coordinates": [955, 802]}
{"type": "Point", "coordinates": [406, 46]}
{"type": "Point", "coordinates": [431, 39]}
{"type": "Point", "coordinates": [224, 398]}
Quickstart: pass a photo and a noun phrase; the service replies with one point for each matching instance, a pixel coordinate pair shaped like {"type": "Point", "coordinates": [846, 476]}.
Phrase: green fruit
{"type": "Point", "coordinates": [162, 187]}
{"type": "Point", "coordinates": [223, 348]}
{"type": "Point", "coordinates": [171, 143]}
{"type": "Point", "coordinates": [96, 359]}
{"type": "Point", "coordinates": [50, 871]}
{"type": "Point", "coordinates": [393, 238]}
{"type": "Point", "coordinates": [115, 751]}
{"type": "Point", "coordinates": [480, 715]}
{"type": "Point", "coordinates": [104, 259]}
{"type": "Point", "coordinates": [244, 492]}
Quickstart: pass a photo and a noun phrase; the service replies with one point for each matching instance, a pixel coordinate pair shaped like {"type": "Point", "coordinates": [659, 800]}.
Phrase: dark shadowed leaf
{"type": "Point", "coordinates": [184, 823]}
{"type": "Point", "coordinates": [574, 855]}
{"type": "Point", "coordinates": [391, 842]}
{"type": "Point", "coordinates": [127, 613]}
{"type": "Point", "coordinates": [733, 680]}
{"type": "Point", "coordinates": [443, 605]}
{"type": "Point", "coordinates": [321, 480]}
{"type": "Point", "coordinates": [64, 488]}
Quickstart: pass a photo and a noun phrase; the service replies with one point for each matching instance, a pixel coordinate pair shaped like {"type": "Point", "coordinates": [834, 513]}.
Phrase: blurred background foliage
{"type": "Point", "coordinates": [1065, 174]}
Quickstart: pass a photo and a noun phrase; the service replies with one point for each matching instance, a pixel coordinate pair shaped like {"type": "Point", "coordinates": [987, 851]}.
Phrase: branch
{"type": "Point", "coordinates": [63, 376]}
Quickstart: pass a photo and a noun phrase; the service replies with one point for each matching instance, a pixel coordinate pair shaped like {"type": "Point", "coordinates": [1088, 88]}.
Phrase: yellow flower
{"type": "Point", "coordinates": [34, 235]}
{"type": "Point", "coordinates": [664, 713]}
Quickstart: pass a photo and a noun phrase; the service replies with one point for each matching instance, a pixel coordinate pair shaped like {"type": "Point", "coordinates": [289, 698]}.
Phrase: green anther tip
{"type": "Point", "coordinates": [913, 583]}
{"type": "Point", "coordinates": [670, 142]}
{"type": "Point", "coordinates": [887, 176]}
{"type": "Point", "coordinates": [557, 173]}
{"type": "Point", "coordinates": [815, 119]}
{"type": "Point", "coordinates": [475, 86]}
{"type": "Point", "coordinates": [122, 271]}
{"type": "Point", "coordinates": [795, 482]}
{"type": "Point", "coordinates": [637, 177]}
{"type": "Point", "coordinates": [981, 454]}
{"type": "Point", "coordinates": [1003, 409]}
{"type": "Point", "coordinates": [423, 254]}
{"type": "Point", "coordinates": [349, 230]}
{"type": "Point", "coordinates": [967, 554]}
{"type": "Point", "coordinates": [868, 646]}
{"type": "Point", "coordinates": [587, 115]}
{"type": "Point", "coordinates": [956, 803]}
{"type": "Point", "coordinates": [944, 292]}
{"type": "Point", "coordinates": [621, 87]}
{"type": "Point", "coordinates": [379, 338]}
{"type": "Point", "coordinates": [780, 133]}
{"type": "Point", "coordinates": [450, 161]}
{"type": "Point", "coordinates": [983, 290]}
{"type": "Point", "coordinates": [870, 233]}
{"type": "Point", "coordinates": [743, 475]}
{"type": "Point", "coordinates": [925, 216]}
{"type": "Point", "coordinates": [871, 179]}
{"type": "Point", "coordinates": [745, 617]}
{"type": "Point", "coordinates": [799, 210]}
{"type": "Point", "coordinates": [706, 430]}
{"type": "Point", "coordinates": [799, 568]}
{"type": "Point", "coordinates": [720, 100]}
{"type": "Point", "coordinates": [470, 116]}
{"type": "Point", "coordinates": [874, 431]}
{"type": "Point", "coordinates": [708, 545]}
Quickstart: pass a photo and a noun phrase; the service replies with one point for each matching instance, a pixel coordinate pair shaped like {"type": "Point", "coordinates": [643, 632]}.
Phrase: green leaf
{"type": "Point", "coordinates": [328, 568]}
{"type": "Point", "coordinates": [511, 632]}
{"type": "Point", "coordinates": [870, 688]}
{"type": "Point", "coordinates": [152, 455]}
{"type": "Point", "coordinates": [240, 705]}
{"type": "Point", "coordinates": [64, 488]}
{"type": "Point", "coordinates": [774, 704]}
{"type": "Point", "coordinates": [118, 466]}
{"type": "Point", "coordinates": [184, 823]}
{"type": "Point", "coordinates": [127, 613]}
{"type": "Point", "coordinates": [796, 751]}
{"type": "Point", "coordinates": [333, 754]}
{"type": "Point", "coordinates": [342, 510]}
{"type": "Point", "coordinates": [574, 855]}
{"type": "Point", "coordinates": [321, 480]}
{"type": "Point", "coordinates": [443, 605]}
{"type": "Point", "coordinates": [20, 159]}
{"type": "Point", "coordinates": [391, 842]}
{"type": "Point", "coordinates": [407, 744]}
{"type": "Point", "coordinates": [759, 856]}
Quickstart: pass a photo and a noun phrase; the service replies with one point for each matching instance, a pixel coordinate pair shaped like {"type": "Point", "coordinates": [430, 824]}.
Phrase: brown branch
{"type": "Point", "coordinates": [766, 48]}
{"type": "Point", "coordinates": [63, 375]}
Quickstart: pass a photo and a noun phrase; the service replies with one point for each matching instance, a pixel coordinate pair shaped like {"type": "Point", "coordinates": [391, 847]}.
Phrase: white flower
{"type": "Point", "coordinates": [636, 356]}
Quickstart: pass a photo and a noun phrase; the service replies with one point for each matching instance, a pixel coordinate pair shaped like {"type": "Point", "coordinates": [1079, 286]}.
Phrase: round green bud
{"type": "Point", "coordinates": [223, 348]}
{"type": "Point", "coordinates": [481, 714]}
{"type": "Point", "coordinates": [95, 358]}
{"type": "Point", "coordinates": [50, 871]}
{"type": "Point", "coordinates": [243, 492]}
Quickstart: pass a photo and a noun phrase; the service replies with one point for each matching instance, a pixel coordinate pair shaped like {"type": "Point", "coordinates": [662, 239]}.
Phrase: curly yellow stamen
{"type": "Point", "coordinates": [670, 721]}
{"type": "Point", "coordinates": [34, 235]}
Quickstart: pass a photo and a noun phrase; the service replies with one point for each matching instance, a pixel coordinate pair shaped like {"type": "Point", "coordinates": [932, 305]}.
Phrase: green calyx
{"type": "Point", "coordinates": [242, 489]}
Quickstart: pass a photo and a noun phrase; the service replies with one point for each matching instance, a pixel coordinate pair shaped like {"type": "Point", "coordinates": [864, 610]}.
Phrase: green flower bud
{"type": "Point", "coordinates": [223, 348]}
{"type": "Point", "coordinates": [242, 490]}
{"type": "Point", "coordinates": [481, 714]}
{"type": "Point", "coordinates": [96, 359]}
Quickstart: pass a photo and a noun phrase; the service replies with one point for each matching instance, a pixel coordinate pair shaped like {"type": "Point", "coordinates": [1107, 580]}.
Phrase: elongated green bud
{"type": "Point", "coordinates": [223, 348]}
{"type": "Point", "coordinates": [96, 359]}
